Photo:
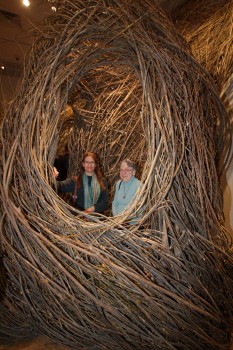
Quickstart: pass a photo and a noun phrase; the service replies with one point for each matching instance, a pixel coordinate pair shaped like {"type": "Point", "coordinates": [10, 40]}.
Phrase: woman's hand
{"type": "Point", "coordinates": [55, 172]}
{"type": "Point", "coordinates": [90, 210]}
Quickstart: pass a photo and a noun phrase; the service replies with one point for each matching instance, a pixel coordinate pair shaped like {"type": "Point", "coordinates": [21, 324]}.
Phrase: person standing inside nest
{"type": "Point", "coordinates": [126, 187]}
{"type": "Point", "coordinates": [89, 189]}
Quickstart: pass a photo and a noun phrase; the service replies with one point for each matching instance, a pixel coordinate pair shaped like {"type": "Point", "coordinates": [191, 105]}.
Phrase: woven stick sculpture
{"type": "Point", "coordinates": [207, 27]}
{"type": "Point", "coordinates": [135, 90]}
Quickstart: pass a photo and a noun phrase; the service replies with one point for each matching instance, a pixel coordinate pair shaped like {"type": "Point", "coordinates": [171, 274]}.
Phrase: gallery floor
{"type": "Point", "coordinates": [42, 343]}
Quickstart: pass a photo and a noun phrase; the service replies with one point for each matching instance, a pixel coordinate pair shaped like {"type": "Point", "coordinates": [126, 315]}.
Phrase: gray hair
{"type": "Point", "coordinates": [130, 163]}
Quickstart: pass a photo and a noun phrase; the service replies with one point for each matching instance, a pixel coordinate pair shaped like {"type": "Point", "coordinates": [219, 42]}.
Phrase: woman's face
{"type": "Point", "coordinates": [89, 165]}
{"type": "Point", "coordinates": [126, 172]}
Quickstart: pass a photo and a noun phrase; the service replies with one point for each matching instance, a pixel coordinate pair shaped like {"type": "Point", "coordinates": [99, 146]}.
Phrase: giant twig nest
{"type": "Point", "coordinates": [100, 283]}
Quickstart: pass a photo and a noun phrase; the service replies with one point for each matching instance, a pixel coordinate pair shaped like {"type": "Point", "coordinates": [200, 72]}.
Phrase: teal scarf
{"type": "Point", "coordinates": [92, 192]}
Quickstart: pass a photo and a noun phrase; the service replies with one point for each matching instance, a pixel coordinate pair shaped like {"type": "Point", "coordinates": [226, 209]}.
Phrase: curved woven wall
{"type": "Point", "coordinates": [135, 91]}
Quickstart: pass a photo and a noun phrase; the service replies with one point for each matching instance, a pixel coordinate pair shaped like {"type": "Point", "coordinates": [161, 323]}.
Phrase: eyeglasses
{"type": "Point", "coordinates": [126, 170]}
{"type": "Point", "coordinates": [92, 163]}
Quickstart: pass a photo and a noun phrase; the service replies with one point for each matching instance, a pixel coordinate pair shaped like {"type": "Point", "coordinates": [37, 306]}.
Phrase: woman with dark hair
{"type": "Point", "coordinates": [89, 189]}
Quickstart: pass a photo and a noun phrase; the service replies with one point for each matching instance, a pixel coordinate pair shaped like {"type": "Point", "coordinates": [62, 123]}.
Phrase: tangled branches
{"type": "Point", "coordinates": [208, 29]}
{"type": "Point", "coordinates": [99, 283]}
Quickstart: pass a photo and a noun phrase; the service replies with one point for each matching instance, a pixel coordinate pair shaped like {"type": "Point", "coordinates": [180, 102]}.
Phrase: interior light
{"type": "Point", "coordinates": [2, 67]}
{"type": "Point", "coordinates": [26, 3]}
{"type": "Point", "coordinates": [54, 9]}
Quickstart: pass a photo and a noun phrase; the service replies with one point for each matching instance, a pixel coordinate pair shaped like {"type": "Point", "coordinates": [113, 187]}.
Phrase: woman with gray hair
{"type": "Point", "coordinates": [126, 187]}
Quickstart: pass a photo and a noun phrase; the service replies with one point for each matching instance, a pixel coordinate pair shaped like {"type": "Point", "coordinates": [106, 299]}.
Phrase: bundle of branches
{"type": "Point", "coordinates": [207, 26]}
{"type": "Point", "coordinates": [96, 282]}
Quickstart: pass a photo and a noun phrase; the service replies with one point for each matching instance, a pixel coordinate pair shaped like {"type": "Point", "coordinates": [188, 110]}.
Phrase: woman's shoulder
{"type": "Point", "coordinates": [118, 182]}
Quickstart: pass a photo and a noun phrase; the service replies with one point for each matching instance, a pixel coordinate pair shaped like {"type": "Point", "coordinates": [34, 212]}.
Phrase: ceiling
{"type": "Point", "coordinates": [16, 36]}
{"type": "Point", "coordinates": [16, 24]}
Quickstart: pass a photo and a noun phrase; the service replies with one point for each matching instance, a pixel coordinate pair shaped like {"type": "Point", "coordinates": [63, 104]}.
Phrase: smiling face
{"type": "Point", "coordinates": [89, 165]}
{"type": "Point", "coordinates": [126, 172]}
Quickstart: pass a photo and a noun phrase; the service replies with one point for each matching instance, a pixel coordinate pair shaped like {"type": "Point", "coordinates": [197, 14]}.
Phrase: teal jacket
{"type": "Point", "coordinates": [124, 194]}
